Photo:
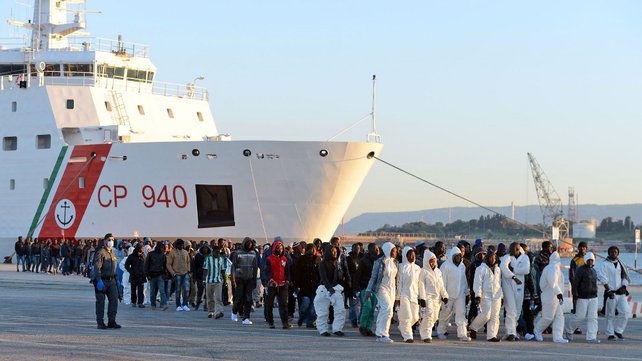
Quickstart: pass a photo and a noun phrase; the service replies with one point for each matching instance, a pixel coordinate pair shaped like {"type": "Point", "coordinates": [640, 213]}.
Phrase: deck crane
{"type": "Point", "coordinates": [549, 202]}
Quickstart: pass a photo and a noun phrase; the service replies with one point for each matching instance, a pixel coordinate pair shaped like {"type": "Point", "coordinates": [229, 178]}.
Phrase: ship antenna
{"type": "Point", "coordinates": [373, 136]}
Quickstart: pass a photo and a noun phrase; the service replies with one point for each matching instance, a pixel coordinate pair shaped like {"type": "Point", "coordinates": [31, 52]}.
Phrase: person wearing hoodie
{"type": "Point", "coordinates": [515, 265]}
{"type": "Point", "coordinates": [179, 266]}
{"type": "Point", "coordinates": [244, 269]}
{"type": "Point", "coordinates": [330, 293]}
{"type": "Point", "coordinates": [453, 272]}
{"type": "Point", "coordinates": [364, 272]}
{"type": "Point", "coordinates": [551, 283]}
{"type": "Point", "coordinates": [383, 284]}
{"type": "Point", "coordinates": [410, 294]}
{"type": "Point", "coordinates": [614, 276]}
{"type": "Point", "coordinates": [584, 288]}
{"type": "Point", "coordinates": [435, 292]}
{"type": "Point", "coordinates": [480, 253]}
{"type": "Point", "coordinates": [306, 281]}
{"type": "Point", "coordinates": [488, 293]}
{"type": "Point", "coordinates": [135, 265]}
{"type": "Point", "coordinates": [155, 270]}
{"type": "Point", "coordinates": [277, 273]}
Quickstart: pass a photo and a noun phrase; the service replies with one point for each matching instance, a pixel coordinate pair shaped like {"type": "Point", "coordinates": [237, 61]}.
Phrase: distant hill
{"type": "Point", "coordinates": [531, 214]}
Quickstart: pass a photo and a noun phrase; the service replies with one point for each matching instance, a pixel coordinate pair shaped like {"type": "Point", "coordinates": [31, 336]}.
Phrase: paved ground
{"type": "Point", "coordinates": [52, 318]}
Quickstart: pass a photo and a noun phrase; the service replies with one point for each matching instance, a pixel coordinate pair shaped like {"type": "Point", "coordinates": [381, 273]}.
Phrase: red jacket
{"type": "Point", "coordinates": [277, 267]}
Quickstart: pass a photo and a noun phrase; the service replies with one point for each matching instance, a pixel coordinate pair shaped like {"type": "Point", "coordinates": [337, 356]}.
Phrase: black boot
{"type": "Point", "coordinates": [101, 325]}
{"type": "Point", "coordinates": [113, 324]}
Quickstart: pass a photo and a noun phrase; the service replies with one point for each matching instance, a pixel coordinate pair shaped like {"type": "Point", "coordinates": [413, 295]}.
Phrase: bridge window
{"type": "Point", "coordinates": [137, 75]}
{"type": "Point", "coordinates": [10, 143]}
{"type": "Point", "coordinates": [52, 70]}
{"type": "Point", "coordinates": [215, 205]}
{"type": "Point", "coordinates": [43, 141]}
{"type": "Point", "coordinates": [79, 69]}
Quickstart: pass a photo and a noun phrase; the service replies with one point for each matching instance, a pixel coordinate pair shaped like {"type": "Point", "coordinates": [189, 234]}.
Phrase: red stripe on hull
{"type": "Point", "coordinates": [70, 202]}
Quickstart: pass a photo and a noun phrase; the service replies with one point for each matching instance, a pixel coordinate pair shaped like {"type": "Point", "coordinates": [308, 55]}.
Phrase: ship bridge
{"type": "Point", "coordinates": [97, 90]}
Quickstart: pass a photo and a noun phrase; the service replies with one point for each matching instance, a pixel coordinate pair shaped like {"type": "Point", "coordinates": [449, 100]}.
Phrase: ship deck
{"type": "Point", "coordinates": [52, 318]}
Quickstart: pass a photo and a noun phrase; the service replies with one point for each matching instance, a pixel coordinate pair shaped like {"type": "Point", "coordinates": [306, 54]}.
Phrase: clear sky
{"type": "Point", "coordinates": [465, 88]}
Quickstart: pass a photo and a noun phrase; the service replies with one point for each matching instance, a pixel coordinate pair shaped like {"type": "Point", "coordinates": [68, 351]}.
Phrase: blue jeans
{"type": "Point", "coordinates": [36, 262]}
{"type": "Point", "coordinates": [20, 259]}
{"type": "Point", "coordinates": [77, 262]}
{"type": "Point", "coordinates": [355, 309]}
{"type": "Point", "coordinates": [66, 264]}
{"type": "Point", "coordinates": [306, 311]}
{"type": "Point", "coordinates": [156, 285]}
{"type": "Point", "coordinates": [182, 288]}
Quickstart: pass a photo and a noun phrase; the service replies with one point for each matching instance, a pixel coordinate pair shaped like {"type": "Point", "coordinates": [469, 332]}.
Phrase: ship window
{"type": "Point", "coordinates": [170, 113]}
{"type": "Point", "coordinates": [14, 106]}
{"type": "Point", "coordinates": [6, 69]}
{"type": "Point", "coordinates": [215, 205]}
{"type": "Point", "coordinates": [10, 143]}
{"type": "Point", "coordinates": [12, 184]}
{"type": "Point", "coordinates": [70, 104]}
{"type": "Point", "coordinates": [43, 141]}
{"type": "Point", "coordinates": [79, 69]}
{"type": "Point", "coordinates": [52, 70]}
{"type": "Point", "coordinates": [45, 183]}
{"type": "Point", "coordinates": [119, 73]}
{"type": "Point", "coordinates": [150, 76]}
{"type": "Point", "coordinates": [141, 110]}
{"type": "Point", "coordinates": [200, 116]}
{"type": "Point", "coordinates": [108, 106]}
{"type": "Point", "coordinates": [137, 75]}
{"type": "Point", "coordinates": [81, 182]}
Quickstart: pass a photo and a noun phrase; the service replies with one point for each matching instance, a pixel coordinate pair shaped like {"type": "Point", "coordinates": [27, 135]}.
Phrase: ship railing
{"type": "Point", "coordinates": [189, 90]}
{"type": "Point", "coordinates": [116, 47]}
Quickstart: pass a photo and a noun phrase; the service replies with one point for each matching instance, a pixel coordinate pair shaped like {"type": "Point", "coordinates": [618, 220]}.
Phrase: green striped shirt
{"type": "Point", "coordinates": [214, 267]}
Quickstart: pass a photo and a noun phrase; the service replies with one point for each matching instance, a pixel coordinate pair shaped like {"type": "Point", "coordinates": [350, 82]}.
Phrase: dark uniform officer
{"type": "Point", "coordinates": [105, 264]}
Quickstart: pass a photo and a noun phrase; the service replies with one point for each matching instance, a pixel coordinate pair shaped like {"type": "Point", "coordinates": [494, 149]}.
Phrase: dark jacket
{"type": "Point", "coordinates": [306, 275]}
{"type": "Point", "coordinates": [197, 266]}
{"type": "Point", "coordinates": [155, 264]}
{"type": "Point", "coordinates": [330, 271]}
{"type": "Point", "coordinates": [585, 283]}
{"type": "Point", "coordinates": [245, 264]}
{"type": "Point", "coordinates": [19, 248]}
{"type": "Point", "coordinates": [135, 265]}
{"type": "Point", "coordinates": [353, 267]}
{"type": "Point", "coordinates": [364, 270]}
{"type": "Point", "coordinates": [105, 264]}
{"type": "Point", "coordinates": [64, 250]}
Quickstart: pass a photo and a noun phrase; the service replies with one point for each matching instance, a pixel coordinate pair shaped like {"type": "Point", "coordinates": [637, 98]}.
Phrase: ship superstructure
{"type": "Point", "coordinates": [92, 143]}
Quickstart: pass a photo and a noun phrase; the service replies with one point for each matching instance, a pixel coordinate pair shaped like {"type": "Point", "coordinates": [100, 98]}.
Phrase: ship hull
{"type": "Point", "coordinates": [193, 190]}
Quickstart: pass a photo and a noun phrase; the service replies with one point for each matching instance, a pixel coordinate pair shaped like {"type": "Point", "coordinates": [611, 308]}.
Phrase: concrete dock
{"type": "Point", "coordinates": [45, 317]}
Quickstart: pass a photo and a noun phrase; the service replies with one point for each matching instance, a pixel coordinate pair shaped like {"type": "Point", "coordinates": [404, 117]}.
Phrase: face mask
{"type": "Point", "coordinates": [110, 244]}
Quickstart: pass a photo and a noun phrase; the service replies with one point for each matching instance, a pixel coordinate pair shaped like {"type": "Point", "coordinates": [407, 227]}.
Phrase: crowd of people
{"type": "Point", "coordinates": [425, 287]}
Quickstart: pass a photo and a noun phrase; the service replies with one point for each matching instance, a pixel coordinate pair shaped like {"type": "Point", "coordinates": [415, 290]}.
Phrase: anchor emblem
{"type": "Point", "coordinates": [65, 213]}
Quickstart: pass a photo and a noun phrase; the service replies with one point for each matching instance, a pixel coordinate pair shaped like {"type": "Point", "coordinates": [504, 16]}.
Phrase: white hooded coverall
{"type": "Point", "coordinates": [409, 290]}
{"type": "Point", "coordinates": [513, 293]}
{"type": "Point", "coordinates": [551, 283]}
{"type": "Point", "coordinates": [127, 287]}
{"type": "Point", "coordinates": [457, 287]}
{"type": "Point", "coordinates": [610, 274]}
{"type": "Point", "coordinates": [386, 292]}
{"type": "Point", "coordinates": [435, 292]}
{"type": "Point", "coordinates": [488, 286]}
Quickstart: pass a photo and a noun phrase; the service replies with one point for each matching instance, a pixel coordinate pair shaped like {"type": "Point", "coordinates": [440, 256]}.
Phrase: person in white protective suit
{"type": "Point", "coordinates": [614, 276]}
{"type": "Point", "coordinates": [435, 294]}
{"type": "Point", "coordinates": [514, 266]}
{"type": "Point", "coordinates": [453, 273]}
{"type": "Point", "coordinates": [127, 287]}
{"type": "Point", "coordinates": [383, 284]}
{"type": "Point", "coordinates": [488, 293]}
{"type": "Point", "coordinates": [410, 294]}
{"type": "Point", "coordinates": [584, 288]}
{"type": "Point", "coordinates": [330, 293]}
{"type": "Point", "coordinates": [551, 283]}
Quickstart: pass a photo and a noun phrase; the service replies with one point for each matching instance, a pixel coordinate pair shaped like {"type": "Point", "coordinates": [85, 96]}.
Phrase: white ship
{"type": "Point", "coordinates": [92, 143]}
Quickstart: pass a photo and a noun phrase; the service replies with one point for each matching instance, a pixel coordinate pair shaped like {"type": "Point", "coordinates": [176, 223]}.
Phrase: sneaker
{"type": "Point", "coordinates": [596, 341]}
{"type": "Point", "coordinates": [101, 326]}
{"type": "Point", "coordinates": [494, 339]}
{"type": "Point", "coordinates": [529, 336]}
{"type": "Point", "coordinates": [326, 334]}
{"type": "Point", "coordinates": [141, 306]}
{"type": "Point", "coordinates": [441, 337]}
{"type": "Point", "coordinates": [179, 309]}
{"type": "Point", "coordinates": [384, 340]}
{"type": "Point", "coordinates": [287, 326]}
{"type": "Point", "coordinates": [560, 340]}
{"type": "Point", "coordinates": [612, 338]}
{"type": "Point", "coordinates": [427, 340]}
{"type": "Point", "coordinates": [619, 335]}
{"type": "Point", "coordinates": [539, 337]}
{"type": "Point", "coordinates": [211, 314]}
{"type": "Point", "coordinates": [568, 336]}
{"type": "Point", "coordinates": [510, 338]}
{"type": "Point", "coordinates": [464, 339]}
{"type": "Point", "coordinates": [409, 340]}
{"type": "Point", "coordinates": [218, 315]}
{"type": "Point", "coordinates": [577, 331]}
{"type": "Point", "coordinates": [271, 325]}
{"type": "Point", "coordinates": [473, 334]}
{"type": "Point", "coordinates": [113, 325]}
{"type": "Point", "coordinates": [247, 321]}
{"type": "Point", "coordinates": [185, 308]}
{"type": "Point", "coordinates": [339, 333]}
{"type": "Point", "coordinates": [235, 317]}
